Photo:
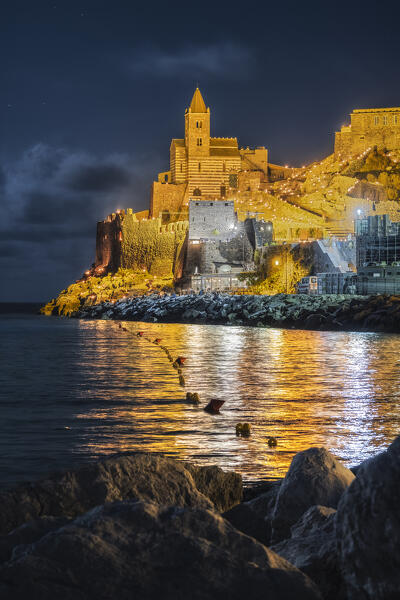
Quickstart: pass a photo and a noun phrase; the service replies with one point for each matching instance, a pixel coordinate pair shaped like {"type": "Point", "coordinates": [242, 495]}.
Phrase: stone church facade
{"type": "Point", "coordinates": [202, 166]}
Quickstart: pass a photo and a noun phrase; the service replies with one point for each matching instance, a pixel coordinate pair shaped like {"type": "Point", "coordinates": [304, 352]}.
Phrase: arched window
{"type": "Point", "coordinates": [224, 167]}
{"type": "Point", "coordinates": [197, 192]}
{"type": "Point", "coordinates": [199, 142]}
{"type": "Point", "coordinates": [166, 178]}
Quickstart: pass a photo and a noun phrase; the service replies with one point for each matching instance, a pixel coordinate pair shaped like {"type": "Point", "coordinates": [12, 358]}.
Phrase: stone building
{"type": "Point", "coordinates": [217, 240]}
{"type": "Point", "coordinates": [369, 127]}
{"type": "Point", "coordinates": [202, 165]}
{"type": "Point", "coordinates": [215, 220]}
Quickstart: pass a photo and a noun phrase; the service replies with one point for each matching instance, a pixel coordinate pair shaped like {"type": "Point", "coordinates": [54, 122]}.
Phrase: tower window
{"type": "Point", "coordinates": [385, 120]}
{"type": "Point", "coordinates": [199, 142]}
{"type": "Point", "coordinates": [376, 120]}
{"type": "Point", "coordinates": [199, 124]}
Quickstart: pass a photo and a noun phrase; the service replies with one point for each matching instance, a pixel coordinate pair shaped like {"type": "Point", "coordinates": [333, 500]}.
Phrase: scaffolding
{"type": "Point", "coordinates": [378, 241]}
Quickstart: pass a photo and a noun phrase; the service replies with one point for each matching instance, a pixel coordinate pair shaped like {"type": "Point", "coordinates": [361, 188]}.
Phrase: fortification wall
{"type": "Point", "coordinates": [371, 127]}
{"type": "Point", "coordinates": [124, 241]}
{"type": "Point", "coordinates": [168, 198]}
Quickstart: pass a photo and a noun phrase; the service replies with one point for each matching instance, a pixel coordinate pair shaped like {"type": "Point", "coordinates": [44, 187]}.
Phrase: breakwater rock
{"type": "Point", "coordinates": [329, 312]}
{"type": "Point", "coordinates": [145, 526]}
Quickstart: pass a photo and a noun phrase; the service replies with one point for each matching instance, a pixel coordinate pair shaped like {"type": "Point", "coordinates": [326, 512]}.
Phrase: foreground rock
{"type": "Point", "coordinates": [141, 550]}
{"type": "Point", "coordinates": [368, 529]}
{"type": "Point", "coordinates": [312, 549]}
{"type": "Point", "coordinates": [223, 488]}
{"type": "Point", "coordinates": [315, 477]}
{"type": "Point", "coordinates": [255, 516]}
{"type": "Point", "coordinates": [329, 312]}
{"type": "Point", "coordinates": [131, 476]}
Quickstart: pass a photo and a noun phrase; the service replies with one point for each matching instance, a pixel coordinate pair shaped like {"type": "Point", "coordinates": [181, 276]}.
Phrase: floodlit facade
{"type": "Point", "coordinates": [202, 165]}
{"type": "Point", "coordinates": [369, 127]}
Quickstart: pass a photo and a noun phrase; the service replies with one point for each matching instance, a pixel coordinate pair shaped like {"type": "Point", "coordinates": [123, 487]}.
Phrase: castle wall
{"type": "Point", "coordinates": [124, 241]}
{"type": "Point", "coordinates": [255, 158]}
{"type": "Point", "coordinates": [249, 181]}
{"type": "Point", "coordinates": [373, 127]}
{"type": "Point", "coordinates": [167, 197]}
{"type": "Point", "coordinates": [206, 218]}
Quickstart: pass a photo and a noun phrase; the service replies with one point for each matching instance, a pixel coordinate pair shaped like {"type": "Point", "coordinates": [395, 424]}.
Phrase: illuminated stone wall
{"type": "Point", "coordinates": [124, 241]}
{"type": "Point", "coordinates": [370, 127]}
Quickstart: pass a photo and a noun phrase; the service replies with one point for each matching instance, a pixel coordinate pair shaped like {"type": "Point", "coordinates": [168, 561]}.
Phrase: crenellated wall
{"type": "Point", "coordinates": [125, 241]}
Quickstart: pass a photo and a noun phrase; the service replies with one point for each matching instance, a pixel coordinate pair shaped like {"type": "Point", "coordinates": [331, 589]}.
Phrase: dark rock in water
{"type": "Point", "coordinates": [213, 406]}
{"type": "Point", "coordinates": [368, 529]}
{"type": "Point", "coordinates": [312, 549]}
{"type": "Point", "coordinates": [28, 533]}
{"type": "Point", "coordinates": [254, 517]}
{"type": "Point", "coordinates": [141, 550]}
{"type": "Point", "coordinates": [314, 321]}
{"type": "Point", "coordinates": [139, 476]}
{"type": "Point", "coordinates": [223, 488]}
{"type": "Point", "coordinates": [315, 477]}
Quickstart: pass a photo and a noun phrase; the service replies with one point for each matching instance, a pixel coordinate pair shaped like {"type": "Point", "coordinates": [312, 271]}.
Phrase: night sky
{"type": "Point", "coordinates": [91, 94]}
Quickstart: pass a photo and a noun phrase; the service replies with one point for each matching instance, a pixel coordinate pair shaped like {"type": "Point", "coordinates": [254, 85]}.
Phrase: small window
{"type": "Point", "coordinates": [199, 167]}
{"type": "Point", "coordinates": [211, 203]}
{"type": "Point", "coordinates": [223, 167]}
{"type": "Point", "coordinates": [385, 120]}
{"type": "Point", "coordinates": [223, 191]}
{"type": "Point", "coordinates": [376, 120]}
{"type": "Point", "coordinates": [199, 142]}
{"type": "Point", "coordinates": [166, 178]}
{"type": "Point", "coordinates": [396, 119]}
{"type": "Point", "coordinates": [226, 203]}
{"type": "Point", "coordinates": [181, 167]}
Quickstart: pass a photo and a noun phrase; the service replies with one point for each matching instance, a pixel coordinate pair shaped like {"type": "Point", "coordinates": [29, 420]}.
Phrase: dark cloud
{"type": "Point", "coordinates": [3, 178]}
{"type": "Point", "coordinates": [51, 200]}
{"type": "Point", "coordinates": [99, 178]}
{"type": "Point", "coordinates": [226, 60]}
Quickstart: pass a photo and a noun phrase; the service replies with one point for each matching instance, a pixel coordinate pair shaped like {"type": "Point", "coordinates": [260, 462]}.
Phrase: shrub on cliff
{"type": "Point", "coordinates": [111, 287]}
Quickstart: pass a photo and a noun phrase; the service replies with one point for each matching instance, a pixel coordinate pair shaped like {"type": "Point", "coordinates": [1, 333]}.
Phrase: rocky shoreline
{"type": "Point", "coordinates": [144, 526]}
{"type": "Point", "coordinates": [330, 312]}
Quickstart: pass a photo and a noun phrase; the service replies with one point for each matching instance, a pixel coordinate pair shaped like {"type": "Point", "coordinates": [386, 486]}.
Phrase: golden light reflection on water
{"type": "Point", "coordinates": [339, 390]}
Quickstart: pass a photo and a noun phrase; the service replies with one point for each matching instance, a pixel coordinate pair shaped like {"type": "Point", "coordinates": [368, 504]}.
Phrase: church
{"type": "Point", "coordinates": [202, 166]}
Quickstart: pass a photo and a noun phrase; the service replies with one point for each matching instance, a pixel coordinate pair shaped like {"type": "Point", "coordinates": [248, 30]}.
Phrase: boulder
{"type": "Point", "coordinates": [122, 477]}
{"type": "Point", "coordinates": [368, 529]}
{"type": "Point", "coordinates": [223, 488]}
{"type": "Point", "coordinates": [141, 550]}
{"type": "Point", "coordinates": [312, 549]}
{"type": "Point", "coordinates": [254, 516]}
{"type": "Point", "coordinates": [315, 477]}
{"type": "Point", "coordinates": [28, 533]}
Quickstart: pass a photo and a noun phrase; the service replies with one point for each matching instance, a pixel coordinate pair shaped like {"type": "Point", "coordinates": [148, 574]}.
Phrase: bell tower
{"type": "Point", "coordinates": [197, 127]}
